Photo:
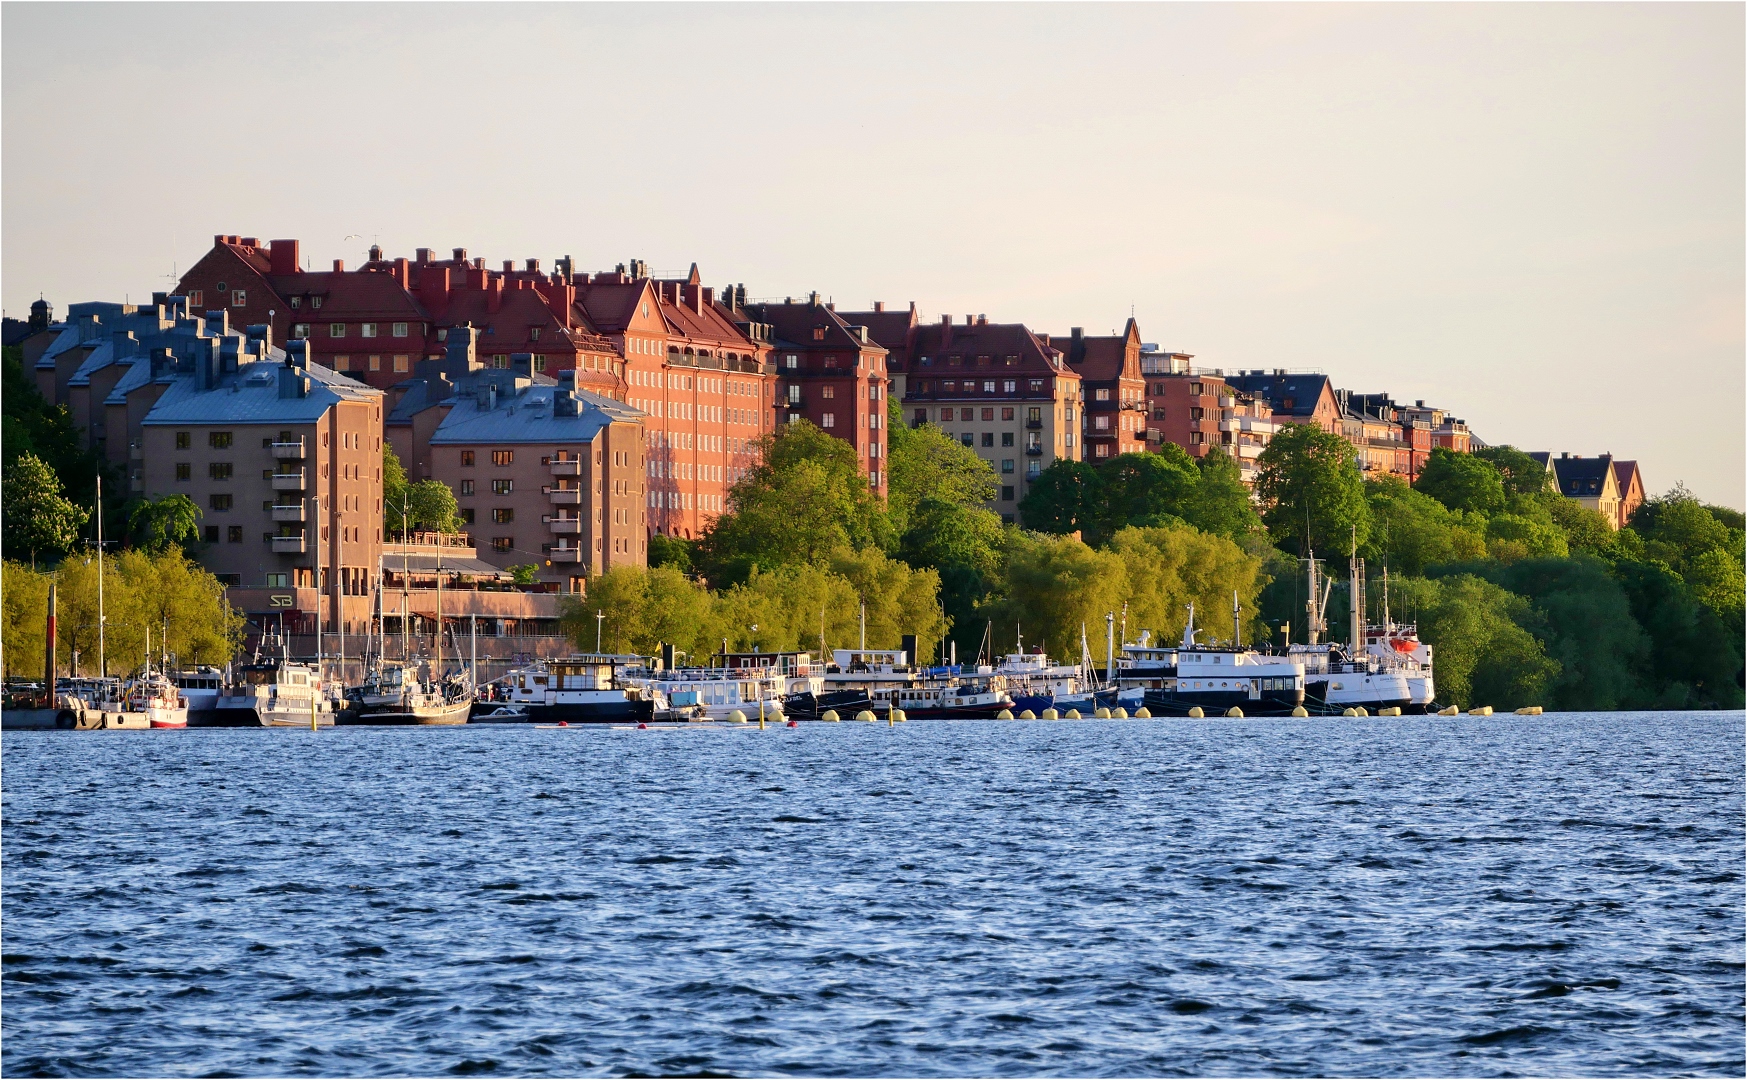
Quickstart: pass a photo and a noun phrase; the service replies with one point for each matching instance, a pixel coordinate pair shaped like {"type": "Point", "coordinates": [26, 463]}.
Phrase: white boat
{"type": "Point", "coordinates": [1212, 678]}
{"type": "Point", "coordinates": [719, 692]}
{"type": "Point", "coordinates": [273, 693]}
{"type": "Point", "coordinates": [581, 689]}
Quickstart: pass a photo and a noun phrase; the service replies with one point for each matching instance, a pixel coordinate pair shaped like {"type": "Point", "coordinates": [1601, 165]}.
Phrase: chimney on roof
{"type": "Point", "coordinates": [478, 261]}
{"type": "Point", "coordinates": [375, 253]}
{"type": "Point", "coordinates": [1077, 348]}
{"type": "Point", "coordinates": [945, 330]}
{"type": "Point", "coordinates": [522, 363]}
{"type": "Point", "coordinates": [459, 346]}
{"type": "Point", "coordinates": [879, 306]}
{"type": "Point", "coordinates": [982, 320]}
{"type": "Point", "coordinates": [563, 402]}
{"type": "Point", "coordinates": [970, 320]}
{"type": "Point", "coordinates": [218, 323]}
{"type": "Point", "coordinates": [493, 294]}
{"type": "Point", "coordinates": [1565, 453]}
{"type": "Point", "coordinates": [533, 266]}
{"type": "Point", "coordinates": [423, 255]}
{"type": "Point", "coordinates": [1420, 404]}
{"type": "Point", "coordinates": [282, 255]}
{"type": "Point", "coordinates": [249, 242]}
{"type": "Point", "coordinates": [509, 266]}
{"type": "Point", "coordinates": [339, 266]}
{"type": "Point", "coordinates": [402, 273]}
{"type": "Point", "coordinates": [458, 254]}
{"type": "Point", "coordinates": [709, 295]}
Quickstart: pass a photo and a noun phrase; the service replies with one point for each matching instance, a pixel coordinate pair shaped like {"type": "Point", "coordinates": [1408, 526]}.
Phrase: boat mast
{"type": "Point", "coordinates": [318, 592]}
{"type": "Point", "coordinates": [405, 513]}
{"type": "Point", "coordinates": [102, 658]}
{"type": "Point", "coordinates": [1356, 591]}
{"type": "Point", "coordinates": [863, 618]}
{"type": "Point", "coordinates": [437, 668]}
{"type": "Point", "coordinates": [1109, 647]}
{"type": "Point", "coordinates": [1312, 622]}
{"type": "Point", "coordinates": [1237, 637]}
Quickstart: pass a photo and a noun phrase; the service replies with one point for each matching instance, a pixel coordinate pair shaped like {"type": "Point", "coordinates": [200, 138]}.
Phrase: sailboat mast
{"type": "Point", "coordinates": [1356, 594]}
{"type": "Point", "coordinates": [437, 669]}
{"type": "Point", "coordinates": [1237, 636]}
{"type": "Point", "coordinates": [318, 590]}
{"type": "Point", "coordinates": [102, 657]}
{"type": "Point", "coordinates": [1109, 647]}
{"type": "Point", "coordinates": [405, 560]}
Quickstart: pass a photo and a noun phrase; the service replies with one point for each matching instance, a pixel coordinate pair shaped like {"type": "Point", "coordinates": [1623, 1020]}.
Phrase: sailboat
{"type": "Point", "coordinates": [387, 697]}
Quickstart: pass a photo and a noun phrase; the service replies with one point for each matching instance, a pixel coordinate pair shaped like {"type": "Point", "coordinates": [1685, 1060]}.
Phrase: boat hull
{"type": "Point", "coordinates": [233, 717]}
{"type": "Point", "coordinates": [455, 712]}
{"type": "Point", "coordinates": [571, 712]}
{"type": "Point", "coordinates": [1218, 702]}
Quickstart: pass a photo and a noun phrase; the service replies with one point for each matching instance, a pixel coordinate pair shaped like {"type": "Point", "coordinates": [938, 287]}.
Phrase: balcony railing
{"type": "Point", "coordinates": [566, 467]}
{"type": "Point", "coordinates": [288, 449]}
{"type": "Point", "coordinates": [1034, 424]}
{"type": "Point", "coordinates": [288, 481]}
{"type": "Point", "coordinates": [566, 525]}
{"type": "Point", "coordinates": [565, 555]}
{"type": "Point", "coordinates": [288, 512]}
{"type": "Point", "coordinates": [289, 545]}
{"type": "Point", "coordinates": [565, 496]}
{"type": "Point", "coordinates": [1034, 451]}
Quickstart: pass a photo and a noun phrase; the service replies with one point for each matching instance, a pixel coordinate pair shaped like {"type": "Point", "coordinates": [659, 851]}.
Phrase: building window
{"type": "Point", "coordinates": [827, 392]}
{"type": "Point", "coordinates": [1037, 386]}
{"type": "Point", "coordinates": [278, 581]}
{"type": "Point", "coordinates": [1068, 439]}
{"type": "Point", "coordinates": [376, 363]}
{"type": "Point", "coordinates": [336, 329]}
{"type": "Point", "coordinates": [399, 329]}
{"type": "Point", "coordinates": [921, 416]}
{"type": "Point", "coordinates": [467, 517]}
{"type": "Point", "coordinates": [967, 439]}
{"type": "Point", "coordinates": [218, 440]}
{"type": "Point", "coordinates": [539, 362]}
{"type": "Point", "coordinates": [239, 298]}
{"type": "Point", "coordinates": [988, 386]}
{"type": "Point", "coordinates": [315, 302]}
{"type": "Point", "coordinates": [219, 470]}
{"type": "Point", "coordinates": [1103, 450]}
{"type": "Point", "coordinates": [503, 543]}
{"type": "Point", "coordinates": [1007, 492]}
{"type": "Point", "coordinates": [467, 460]}
{"type": "Point", "coordinates": [1009, 386]}
{"type": "Point", "coordinates": [1101, 395]}
{"type": "Point", "coordinates": [342, 363]}
{"type": "Point", "coordinates": [828, 420]}
{"type": "Point", "coordinates": [182, 440]}
{"type": "Point", "coordinates": [794, 394]}
{"type": "Point", "coordinates": [184, 471]}
{"type": "Point", "coordinates": [503, 515]}
{"type": "Point", "coordinates": [235, 534]}
{"type": "Point", "coordinates": [1101, 423]}
{"type": "Point", "coordinates": [368, 329]}
{"type": "Point", "coordinates": [300, 331]}
{"type": "Point", "coordinates": [401, 363]}
{"type": "Point", "coordinates": [988, 414]}
{"type": "Point", "coordinates": [196, 298]}
{"type": "Point", "coordinates": [1006, 438]}
{"type": "Point", "coordinates": [503, 457]}
{"type": "Point", "coordinates": [1033, 470]}
{"type": "Point", "coordinates": [467, 485]}
{"type": "Point", "coordinates": [1007, 465]}
{"type": "Point", "coordinates": [988, 438]}
{"type": "Point", "coordinates": [1007, 413]}
{"type": "Point", "coordinates": [791, 361]}
{"type": "Point", "coordinates": [502, 487]}
{"type": "Point", "coordinates": [212, 534]}
{"type": "Point", "coordinates": [818, 333]}
{"type": "Point", "coordinates": [220, 502]}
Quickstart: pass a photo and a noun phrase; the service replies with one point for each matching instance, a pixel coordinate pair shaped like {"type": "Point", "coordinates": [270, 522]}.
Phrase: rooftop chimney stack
{"type": "Point", "coordinates": [339, 266]}
{"type": "Point", "coordinates": [879, 306]}
{"type": "Point", "coordinates": [460, 254]}
{"type": "Point", "coordinates": [283, 257]}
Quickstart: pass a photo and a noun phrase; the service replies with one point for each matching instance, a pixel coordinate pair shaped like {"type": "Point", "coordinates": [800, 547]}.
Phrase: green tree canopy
{"type": "Point", "coordinates": [1484, 655]}
{"type": "Point", "coordinates": [1462, 482]}
{"type": "Point", "coordinates": [160, 524]}
{"type": "Point", "coordinates": [1310, 477]}
{"type": "Point", "coordinates": [925, 463]}
{"type": "Point", "coordinates": [1065, 498]}
{"type": "Point", "coordinates": [1143, 489]}
{"type": "Point", "coordinates": [38, 518]}
{"type": "Point", "coordinates": [674, 551]}
{"type": "Point", "coordinates": [1222, 503]}
{"type": "Point", "coordinates": [1522, 474]}
{"type": "Point", "coordinates": [1052, 585]}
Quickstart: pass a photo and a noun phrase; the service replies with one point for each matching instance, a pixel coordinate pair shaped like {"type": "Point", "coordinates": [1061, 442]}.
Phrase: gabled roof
{"type": "Point", "coordinates": [1303, 391]}
{"type": "Point", "coordinates": [1102, 358]}
{"type": "Point", "coordinates": [1625, 472]}
{"type": "Point", "coordinates": [935, 343]}
{"type": "Point", "coordinates": [894, 331]}
{"type": "Point", "coordinates": [1583, 477]}
{"type": "Point", "coordinates": [794, 325]}
{"type": "Point", "coordinates": [528, 417]}
{"type": "Point", "coordinates": [348, 295]}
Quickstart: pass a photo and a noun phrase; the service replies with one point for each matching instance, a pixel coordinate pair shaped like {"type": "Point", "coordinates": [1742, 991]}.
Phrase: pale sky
{"type": "Point", "coordinates": [1531, 215]}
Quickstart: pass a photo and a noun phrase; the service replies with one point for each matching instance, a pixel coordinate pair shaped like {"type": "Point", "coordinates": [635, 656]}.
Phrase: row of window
{"type": "Point", "coordinates": [498, 457]}
{"type": "Point", "coordinates": [982, 361]}
{"type": "Point", "coordinates": [1033, 415]}
{"type": "Point", "coordinates": [1008, 386]}
{"type": "Point", "coordinates": [1033, 441]}
{"type": "Point", "coordinates": [225, 470]}
{"type": "Point", "coordinates": [222, 440]}
{"type": "Point", "coordinates": [498, 487]}
{"type": "Point", "coordinates": [338, 330]}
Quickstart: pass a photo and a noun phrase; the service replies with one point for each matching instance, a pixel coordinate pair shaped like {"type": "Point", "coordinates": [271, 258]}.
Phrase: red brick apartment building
{"type": "Point", "coordinates": [1197, 410]}
{"type": "Point", "coordinates": [1114, 390]}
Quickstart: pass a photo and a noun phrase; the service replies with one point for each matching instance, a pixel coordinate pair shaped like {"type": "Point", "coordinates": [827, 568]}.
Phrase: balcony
{"type": "Point", "coordinates": [566, 466]}
{"type": "Point", "coordinates": [1034, 425]}
{"type": "Point", "coordinates": [565, 496]}
{"type": "Point", "coordinates": [288, 481]}
{"type": "Point", "coordinates": [288, 449]}
{"type": "Point", "coordinates": [1034, 451]}
{"type": "Point", "coordinates": [288, 512]}
{"type": "Point", "coordinates": [566, 526]}
{"type": "Point", "coordinates": [135, 452]}
{"type": "Point", "coordinates": [289, 545]}
{"type": "Point", "coordinates": [565, 555]}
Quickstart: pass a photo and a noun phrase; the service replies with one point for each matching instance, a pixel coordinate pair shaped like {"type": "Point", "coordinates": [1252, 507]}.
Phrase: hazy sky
{"type": "Point", "coordinates": [1531, 215]}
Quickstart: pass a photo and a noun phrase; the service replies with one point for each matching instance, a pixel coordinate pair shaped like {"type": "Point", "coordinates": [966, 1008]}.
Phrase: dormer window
{"type": "Point", "coordinates": [315, 302]}
{"type": "Point", "coordinates": [533, 333]}
{"type": "Point", "coordinates": [296, 302]}
{"type": "Point", "coordinates": [830, 361]}
{"type": "Point", "coordinates": [818, 333]}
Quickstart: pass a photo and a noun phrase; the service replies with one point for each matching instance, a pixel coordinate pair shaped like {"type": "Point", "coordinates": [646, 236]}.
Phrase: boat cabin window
{"type": "Point", "coordinates": [258, 676]}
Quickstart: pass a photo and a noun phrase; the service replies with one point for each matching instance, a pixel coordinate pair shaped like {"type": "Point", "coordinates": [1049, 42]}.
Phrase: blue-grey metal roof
{"type": "Point", "coordinates": [528, 418]}
{"type": "Point", "coordinates": [250, 395]}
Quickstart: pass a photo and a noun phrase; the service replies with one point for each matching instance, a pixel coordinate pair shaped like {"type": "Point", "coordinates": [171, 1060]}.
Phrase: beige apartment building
{"type": "Point", "coordinates": [284, 461]}
{"type": "Point", "coordinates": [546, 475]}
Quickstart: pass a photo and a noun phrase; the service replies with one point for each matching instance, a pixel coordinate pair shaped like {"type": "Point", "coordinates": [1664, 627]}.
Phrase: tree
{"type": "Point", "coordinates": [674, 551]}
{"type": "Point", "coordinates": [1462, 482]}
{"type": "Point", "coordinates": [525, 573]}
{"type": "Point", "coordinates": [1484, 655]}
{"type": "Point", "coordinates": [643, 609]}
{"type": "Point", "coordinates": [1142, 489]}
{"type": "Point", "coordinates": [394, 491]}
{"type": "Point", "coordinates": [433, 507]}
{"type": "Point", "coordinates": [1309, 476]}
{"type": "Point", "coordinates": [1170, 567]}
{"type": "Point", "coordinates": [1510, 537]}
{"type": "Point", "coordinates": [161, 524]}
{"type": "Point", "coordinates": [1064, 498]}
{"type": "Point", "coordinates": [37, 517]}
{"type": "Point", "coordinates": [1584, 529]}
{"type": "Point", "coordinates": [1522, 474]}
{"type": "Point", "coordinates": [1050, 587]}
{"type": "Point", "coordinates": [806, 500]}
{"type": "Point", "coordinates": [924, 463]}
{"type": "Point", "coordinates": [944, 533]}
{"type": "Point", "coordinates": [1411, 530]}
{"type": "Point", "coordinates": [1221, 504]}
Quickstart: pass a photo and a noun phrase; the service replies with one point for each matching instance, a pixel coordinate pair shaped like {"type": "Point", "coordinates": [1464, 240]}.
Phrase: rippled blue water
{"type": "Point", "coordinates": [1558, 895]}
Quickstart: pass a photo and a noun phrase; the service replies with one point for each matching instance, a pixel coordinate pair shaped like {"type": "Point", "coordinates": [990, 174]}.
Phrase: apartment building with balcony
{"type": "Point", "coordinates": [1293, 397]}
{"type": "Point", "coordinates": [1195, 409]}
{"type": "Point", "coordinates": [830, 372]}
{"type": "Point", "coordinates": [284, 460]}
{"type": "Point", "coordinates": [1115, 412]}
{"type": "Point", "coordinates": [546, 475]}
{"type": "Point", "coordinates": [1000, 390]}
{"type": "Point", "coordinates": [894, 330]}
{"type": "Point", "coordinates": [697, 367]}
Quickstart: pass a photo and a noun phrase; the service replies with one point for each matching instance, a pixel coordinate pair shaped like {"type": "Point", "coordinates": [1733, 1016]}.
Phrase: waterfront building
{"type": "Point", "coordinates": [1113, 419]}
{"type": "Point", "coordinates": [1591, 482]}
{"type": "Point", "coordinates": [830, 372]}
{"type": "Point", "coordinates": [545, 475]}
{"type": "Point", "coordinates": [1294, 397]}
{"type": "Point", "coordinates": [998, 389]}
{"type": "Point", "coordinates": [1197, 410]}
{"type": "Point", "coordinates": [1630, 482]}
{"type": "Point", "coordinates": [284, 459]}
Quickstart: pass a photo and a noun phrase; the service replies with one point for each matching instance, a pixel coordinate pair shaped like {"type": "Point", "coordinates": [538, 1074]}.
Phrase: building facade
{"type": "Point", "coordinates": [1115, 411]}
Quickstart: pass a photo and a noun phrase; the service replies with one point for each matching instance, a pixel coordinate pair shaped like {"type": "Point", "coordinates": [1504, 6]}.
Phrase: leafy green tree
{"type": "Point", "coordinates": [38, 518]}
{"type": "Point", "coordinates": [433, 507]}
{"type": "Point", "coordinates": [1510, 537]}
{"type": "Point", "coordinates": [1310, 477]}
{"type": "Point", "coordinates": [158, 525]}
{"type": "Point", "coordinates": [965, 545]}
{"type": "Point", "coordinates": [1484, 656]}
{"type": "Point", "coordinates": [1462, 482]}
{"type": "Point", "coordinates": [1716, 580]}
{"type": "Point", "coordinates": [924, 463]}
{"type": "Point", "coordinates": [1522, 474]}
{"type": "Point", "coordinates": [1411, 530]}
{"type": "Point", "coordinates": [1221, 504]}
{"type": "Point", "coordinates": [395, 491]}
{"type": "Point", "coordinates": [644, 609]}
{"type": "Point", "coordinates": [805, 501]}
{"type": "Point", "coordinates": [1584, 529]}
{"type": "Point", "coordinates": [1677, 527]}
{"type": "Point", "coordinates": [1065, 498]}
{"type": "Point", "coordinates": [30, 425]}
{"type": "Point", "coordinates": [674, 551]}
{"type": "Point", "coordinates": [1696, 659]}
{"type": "Point", "coordinates": [1170, 567]}
{"type": "Point", "coordinates": [525, 573]}
{"type": "Point", "coordinates": [1143, 489]}
{"type": "Point", "coordinates": [1050, 587]}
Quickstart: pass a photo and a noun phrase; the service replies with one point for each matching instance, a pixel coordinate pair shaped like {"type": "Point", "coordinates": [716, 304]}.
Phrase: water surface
{"type": "Point", "coordinates": [1559, 895]}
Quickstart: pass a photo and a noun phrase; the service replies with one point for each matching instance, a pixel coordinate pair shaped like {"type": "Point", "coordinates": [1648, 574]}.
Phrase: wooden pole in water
{"type": "Point", "coordinates": [49, 655]}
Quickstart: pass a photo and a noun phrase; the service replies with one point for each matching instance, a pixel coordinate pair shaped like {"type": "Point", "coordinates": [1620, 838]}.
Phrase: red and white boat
{"type": "Point", "coordinates": [160, 700]}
